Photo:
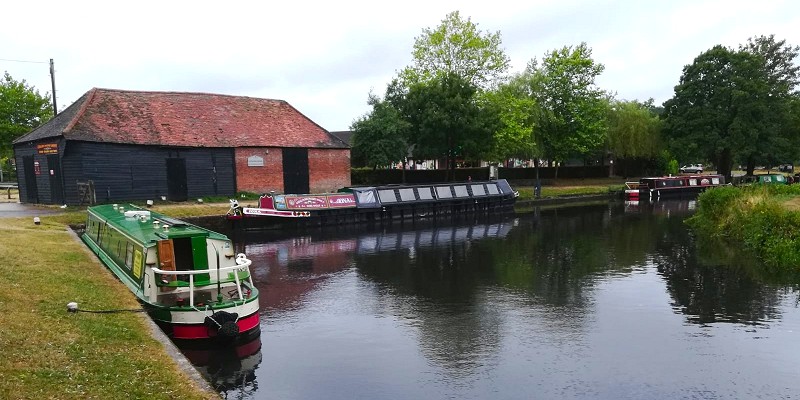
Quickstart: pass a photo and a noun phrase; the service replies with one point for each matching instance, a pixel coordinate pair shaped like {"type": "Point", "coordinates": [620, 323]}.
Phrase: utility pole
{"type": "Point", "coordinates": [53, 81]}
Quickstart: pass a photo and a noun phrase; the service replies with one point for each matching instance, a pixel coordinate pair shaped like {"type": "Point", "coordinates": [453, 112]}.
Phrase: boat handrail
{"type": "Point", "coordinates": [245, 265]}
{"type": "Point", "coordinates": [632, 185]}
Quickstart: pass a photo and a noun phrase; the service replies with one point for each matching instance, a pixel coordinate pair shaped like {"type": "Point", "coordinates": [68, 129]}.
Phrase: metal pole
{"type": "Point", "coordinates": [53, 82]}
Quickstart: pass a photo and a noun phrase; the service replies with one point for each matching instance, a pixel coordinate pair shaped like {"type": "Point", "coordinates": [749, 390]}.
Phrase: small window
{"type": "Point", "coordinates": [692, 182]}
{"type": "Point", "coordinates": [715, 181]}
{"type": "Point", "coordinates": [129, 255]}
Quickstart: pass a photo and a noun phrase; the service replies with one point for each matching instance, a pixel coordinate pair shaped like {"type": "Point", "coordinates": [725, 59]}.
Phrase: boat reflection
{"type": "Point", "coordinates": [665, 207]}
{"type": "Point", "coordinates": [230, 370]}
{"type": "Point", "coordinates": [286, 270]}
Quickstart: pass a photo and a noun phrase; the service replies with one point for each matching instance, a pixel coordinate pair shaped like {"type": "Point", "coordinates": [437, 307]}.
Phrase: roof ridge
{"type": "Point", "coordinates": [81, 111]}
{"type": "Point", "coordinates": [183, 93]}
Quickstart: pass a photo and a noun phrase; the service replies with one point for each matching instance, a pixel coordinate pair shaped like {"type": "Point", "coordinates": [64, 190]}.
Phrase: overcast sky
{"type": "Point", "coordinates": [325, 57]}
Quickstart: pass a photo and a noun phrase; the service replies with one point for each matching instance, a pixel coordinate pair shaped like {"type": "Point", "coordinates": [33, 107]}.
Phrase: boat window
{"type": "Point", "coordinates": [443, 192]}
{"type": "Point", "coordinates": [425, 193]}
{"type": "Point", "coordinates": [461, 191]}
{"type": "Point", "coordinates": [407, 194]}
{"type": "Point", "coordinates": [492, 188]}
{"type": "Point", "coordinates": [129, 255]}
{"type": "Point", "coordinates": [715, 181]}
{"type": "Point", "coordinates": [478, 190]}
{"type": "Point", "coordinates": [366, 197]}
{"type": "Point", "coordinates": [693, 182]}
{"type": "Point", "coordinates": [387, 196]}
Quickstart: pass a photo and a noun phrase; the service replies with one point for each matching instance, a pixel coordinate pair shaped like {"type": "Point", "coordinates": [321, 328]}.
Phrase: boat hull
{"type": "Point", "coordinates": [201, 330]}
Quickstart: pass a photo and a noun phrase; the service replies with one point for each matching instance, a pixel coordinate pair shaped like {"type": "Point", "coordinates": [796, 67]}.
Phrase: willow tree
{"type": "Point", "coordinates": [634, 132]}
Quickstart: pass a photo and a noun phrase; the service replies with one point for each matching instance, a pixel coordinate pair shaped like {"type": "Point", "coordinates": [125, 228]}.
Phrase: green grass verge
{"type": "Point", "coordinates": [49, 353]}
{"type": "Point", "coordinates": [756, 219]}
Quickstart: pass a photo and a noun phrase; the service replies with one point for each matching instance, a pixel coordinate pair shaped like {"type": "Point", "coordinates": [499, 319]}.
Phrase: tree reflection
{"type": "Point", "coordinates": [709, 289]}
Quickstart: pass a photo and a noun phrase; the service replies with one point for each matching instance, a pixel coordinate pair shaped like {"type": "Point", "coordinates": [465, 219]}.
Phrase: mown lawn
{"type": "Point", "coordinates": [49, 353]}
{"type": "Point", "coordinates": [573, 187]}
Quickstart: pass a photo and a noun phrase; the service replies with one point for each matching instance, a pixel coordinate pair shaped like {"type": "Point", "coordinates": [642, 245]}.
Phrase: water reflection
{"type": "Point", "coordinates": [569, 302]}
{"type": "Point", "coordinates": [230, 370]}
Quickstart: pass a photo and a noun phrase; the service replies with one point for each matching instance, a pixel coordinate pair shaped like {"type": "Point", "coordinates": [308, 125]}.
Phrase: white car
{"type": "Point", "coordinates": [692, 168]}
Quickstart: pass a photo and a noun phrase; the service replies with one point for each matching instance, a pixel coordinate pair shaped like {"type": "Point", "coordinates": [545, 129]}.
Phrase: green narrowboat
{"type": "Point", "coordinates": [188, 278]}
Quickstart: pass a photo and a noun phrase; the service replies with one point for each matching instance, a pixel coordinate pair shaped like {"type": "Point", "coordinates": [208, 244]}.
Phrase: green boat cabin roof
{"type": "Point", "coordinates": [147, 232]}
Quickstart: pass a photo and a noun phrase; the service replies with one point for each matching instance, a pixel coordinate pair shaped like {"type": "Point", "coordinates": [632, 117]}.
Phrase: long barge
{"type": "Point", "coordinates": [187, 278]}
{"type": "Point", "coordinates": [681, 186]}
{"type": "Point", "coordinates": [374, 203]}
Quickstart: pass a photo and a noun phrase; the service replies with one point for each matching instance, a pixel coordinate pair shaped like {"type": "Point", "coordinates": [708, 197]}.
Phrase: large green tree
{"type": "Point", "coordinates": [457, 47]}
{"type": "Point", "coordinates": [516, 109]}
{"type": "Point", "coordinates": [720, 110]}
{"type": "Point", "coordinates": [448, 120]}
{"type": "Point", "coordinates": [22, 109]}
{"type": "Point", "coordinates": [443, 110]}
{"type": "Point", "coordinates": [380, 137]}
{"type": "Point", "coordinates": [778, 140]}
{"type": "Point", "coordinates": [572, 111]}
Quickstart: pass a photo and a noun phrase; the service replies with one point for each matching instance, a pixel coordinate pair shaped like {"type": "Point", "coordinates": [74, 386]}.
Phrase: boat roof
{"type": "Point", "coordinates": [145, 230]}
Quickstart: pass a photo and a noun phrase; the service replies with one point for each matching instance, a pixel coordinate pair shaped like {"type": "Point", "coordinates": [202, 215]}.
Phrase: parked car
{"type": "Point", "coordinates": [692, 168]}
{"type": "Point", "coordinates": [786, 168]}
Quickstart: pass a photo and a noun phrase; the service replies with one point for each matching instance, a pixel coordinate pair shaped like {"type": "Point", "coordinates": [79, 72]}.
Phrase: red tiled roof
{"type": "Point", "coordinates": [191, 119]}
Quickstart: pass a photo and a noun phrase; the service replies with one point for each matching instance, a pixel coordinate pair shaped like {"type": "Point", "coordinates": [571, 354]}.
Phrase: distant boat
{"type": "Point", "coordinates": [654, 188]}
{"type": "Point", "coordinates": [187, 277]}
{"type": "Point", "coordinates": [369, 203]}
{"type": "Point", "coordinates": [745, 180]}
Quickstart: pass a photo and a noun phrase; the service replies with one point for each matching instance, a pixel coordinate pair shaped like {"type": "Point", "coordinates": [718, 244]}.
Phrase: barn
{"type": "Point", "coordinates": [116, 145]}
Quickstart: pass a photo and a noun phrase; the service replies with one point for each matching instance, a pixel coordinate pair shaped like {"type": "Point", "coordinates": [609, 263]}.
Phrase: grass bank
{"type": "Point", "coordinates": [51, 354]}
{"type": "Point", "coordinates": [764, 220]}
{"type": "Point", "coordinates": [573, 187]}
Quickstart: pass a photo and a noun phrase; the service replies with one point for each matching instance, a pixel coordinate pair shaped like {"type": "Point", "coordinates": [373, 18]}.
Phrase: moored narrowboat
{"type": "Point", "coordinates": [654, 188]}
{"type": "Point", "coordinates": [188, 278]}
{"type": "Point", "coordinates": [387, 202]}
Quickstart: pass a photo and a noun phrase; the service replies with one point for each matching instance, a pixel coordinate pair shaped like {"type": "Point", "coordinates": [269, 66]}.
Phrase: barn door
{"type": "Point", "coordinates": [295, 171]}
{"type": "Point", "coordinates": [177, 189]}
{"type": "Point", "coordinates": [31, 189]}
{"type": "Point", "coordinates": [56, 188]}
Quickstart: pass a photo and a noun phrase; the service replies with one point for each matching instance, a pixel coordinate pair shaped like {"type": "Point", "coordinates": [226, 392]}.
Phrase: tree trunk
{"type": "Point", "coordinates": [751, 165]}
{"type": "Point", "coordinates": [537, 191]}
{"type": "Point", "coordinates": [725, 163]}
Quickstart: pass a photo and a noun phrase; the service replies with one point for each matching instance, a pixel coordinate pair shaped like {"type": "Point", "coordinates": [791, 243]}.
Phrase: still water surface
{"type": "Point", "coordinates": [600, 301]}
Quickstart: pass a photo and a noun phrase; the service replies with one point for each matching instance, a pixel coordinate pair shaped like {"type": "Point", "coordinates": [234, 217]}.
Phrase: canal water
{"type": "Point", "coordinates": [597, 301]}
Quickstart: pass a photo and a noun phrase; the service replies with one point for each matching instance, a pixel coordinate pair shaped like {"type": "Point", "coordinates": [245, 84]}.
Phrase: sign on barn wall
{"type": "Point", "coordinates": [255, 161]}
{"type": "Point", "coordinates": [47, 148]}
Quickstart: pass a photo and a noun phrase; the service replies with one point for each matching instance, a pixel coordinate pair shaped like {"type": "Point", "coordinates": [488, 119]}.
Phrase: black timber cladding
{"type": "Point", "coordinates": [129, 172]}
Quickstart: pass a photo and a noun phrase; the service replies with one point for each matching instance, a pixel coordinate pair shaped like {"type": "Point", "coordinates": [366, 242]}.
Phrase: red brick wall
{"type": "Point", "coordinates": [328, 169]}
{"type": "Point", "coordinates": [259, 179]}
